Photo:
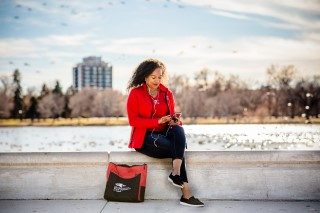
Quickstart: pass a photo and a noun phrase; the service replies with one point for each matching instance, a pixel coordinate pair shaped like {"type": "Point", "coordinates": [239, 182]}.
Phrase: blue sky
{"type": "Point", "coordinates": [45, 39]}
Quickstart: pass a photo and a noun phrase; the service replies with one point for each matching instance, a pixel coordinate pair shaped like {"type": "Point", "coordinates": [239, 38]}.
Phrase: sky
{"type": "Point", "coordinates": [45, 39]}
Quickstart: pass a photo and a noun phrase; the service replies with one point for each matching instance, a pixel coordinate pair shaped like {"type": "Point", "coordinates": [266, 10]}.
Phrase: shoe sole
{"type": "Point", "coordinates": [186, 204]}
{"type": "Point", "coordinates": [176, 185]}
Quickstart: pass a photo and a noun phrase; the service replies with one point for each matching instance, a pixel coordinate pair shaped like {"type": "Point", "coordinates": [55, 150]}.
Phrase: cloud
{"type": "Point", "coordinates": [192, 47]}
{"type": "Point", "coordinates": [64, 40]}
{"type": "Point", "coordinates": [312, 36]}
{"type": "Point", "coordinates": [249, 48]}
{"type": "Point", "coordinates": [301, 15]}
{"type": "Point", "coordinates": [229, 14]}
{"type": "Point", "coordinates": [296, 13]}
{"type": "Point", "coordinates": [42, 46]}
{"type": "Point", "coordinates": [245, 56]}
{"type": "Point", "coordinates": [306, 5]}
{"type": "Point", "coordinates": [17, 47]}
{"type": "Point", "coordinates": [80, 12]}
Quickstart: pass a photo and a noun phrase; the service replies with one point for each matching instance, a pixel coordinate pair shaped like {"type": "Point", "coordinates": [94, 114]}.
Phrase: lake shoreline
{"type": "Point", "coordinates": [123, 121]}
{"type": "Point", "coordinates": [199, 137]}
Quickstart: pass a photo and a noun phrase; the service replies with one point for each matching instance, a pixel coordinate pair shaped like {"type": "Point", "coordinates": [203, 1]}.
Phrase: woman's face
{"type": "Point", "coordinates": [154, 79]}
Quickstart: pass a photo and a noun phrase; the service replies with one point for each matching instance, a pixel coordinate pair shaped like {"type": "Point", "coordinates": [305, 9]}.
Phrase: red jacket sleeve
{"type": "Point", "coordinates": [133, 113]}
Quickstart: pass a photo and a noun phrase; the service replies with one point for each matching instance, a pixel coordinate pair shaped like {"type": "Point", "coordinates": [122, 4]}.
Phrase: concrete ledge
{"type": "Point", "coordinates": [266, 175]}
{"type": "Point", "coordinates": [53, 158]}
{"type": "Point", "coordinates": [64, 175]}
{"type": "Point", "coordinates": [283, 175]}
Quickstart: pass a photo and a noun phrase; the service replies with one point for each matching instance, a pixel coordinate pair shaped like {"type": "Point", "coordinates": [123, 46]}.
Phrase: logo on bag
{"type": "Point", "coordinates": [120, 187]}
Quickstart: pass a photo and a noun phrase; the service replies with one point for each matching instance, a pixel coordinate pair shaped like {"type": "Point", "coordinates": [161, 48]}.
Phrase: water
{"type": "Point", "coordinates": [199, 137]}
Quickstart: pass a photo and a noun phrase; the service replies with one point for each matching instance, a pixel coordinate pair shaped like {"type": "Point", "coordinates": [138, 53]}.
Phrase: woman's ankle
{"type": "Point", "coordinates": [174, 173]}
{"type": "Point", "coordinates": [187, 196]}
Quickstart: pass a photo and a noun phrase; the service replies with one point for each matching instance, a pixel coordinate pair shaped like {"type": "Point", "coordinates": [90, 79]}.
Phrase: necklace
{"type": "Point", "coordinates": [155, 99]}
{"type": "Point", "coordinates": [154, 95]}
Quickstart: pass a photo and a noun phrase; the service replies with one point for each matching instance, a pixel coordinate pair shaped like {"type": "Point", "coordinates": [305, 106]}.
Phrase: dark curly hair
{"type": "Point", "coordinates": [144, 70]}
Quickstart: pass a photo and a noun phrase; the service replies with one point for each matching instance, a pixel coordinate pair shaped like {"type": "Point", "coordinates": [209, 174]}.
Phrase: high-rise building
{"type": "Point", "coordinates": [92, 72]}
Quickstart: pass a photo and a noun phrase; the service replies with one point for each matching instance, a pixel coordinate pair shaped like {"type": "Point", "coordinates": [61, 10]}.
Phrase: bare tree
{"type": "Point", "coordinates": [281, 77]}
{"type": "Point", "coordinates": [178, 83]}
{"type": "Point", "coordinates": [307, 95]}
{"type": "Point", "coordinates": [234, 83]}
{"type": "Point", "coordinates": [109, 103]}
{"type": "Point", "coordinates": [51, 105]}
{"type": "Point", "coordinates": [202, 79]}
{"type": "Point", "coordinates": [227, 103]}
{"type": "Point", "coordinates": [191, 102]}
{"type": "Point", "coordinates": [6, 102]}
{"type": "Point", "coordinates": [6, 84]}
{"type": "Point", "coordinates": [82, 103]}
{"type": "Point", "coordinates": [269, 99]}
{"type": "Point", "coordinates": [217, 86]}
{"type": "Point", "coordinates": [251, 99]}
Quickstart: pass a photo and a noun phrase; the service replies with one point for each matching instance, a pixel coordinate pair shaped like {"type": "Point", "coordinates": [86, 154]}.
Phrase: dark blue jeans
{"type": "Point", "coordinates": [167, 144]}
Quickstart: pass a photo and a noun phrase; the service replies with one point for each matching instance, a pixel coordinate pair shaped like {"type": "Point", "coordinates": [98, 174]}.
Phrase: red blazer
{"type": "Point", "coordinates": [139, 108]}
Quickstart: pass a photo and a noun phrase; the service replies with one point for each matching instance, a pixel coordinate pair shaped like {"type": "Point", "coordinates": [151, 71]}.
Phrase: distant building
{"type": "Point", "coordinates": [92, 72]}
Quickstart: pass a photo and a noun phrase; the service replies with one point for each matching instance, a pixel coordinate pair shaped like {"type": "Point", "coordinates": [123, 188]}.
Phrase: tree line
{"type": "Point", "coordinates": [209, 94]}
{"type": "Point", "coordinates": [215, 95]}
{"type": "Point", "coordinates": [53, 103]}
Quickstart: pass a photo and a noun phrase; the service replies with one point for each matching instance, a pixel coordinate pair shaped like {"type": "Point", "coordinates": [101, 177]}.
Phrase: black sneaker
{"type": "Point", "coordinates": [192, 201]}
{"type": "Point", "coordinates": [176, 180]}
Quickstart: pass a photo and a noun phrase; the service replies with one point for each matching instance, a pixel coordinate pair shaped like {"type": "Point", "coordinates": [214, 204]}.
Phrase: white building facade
{"type": "Point", "coordinates": [92, 72]}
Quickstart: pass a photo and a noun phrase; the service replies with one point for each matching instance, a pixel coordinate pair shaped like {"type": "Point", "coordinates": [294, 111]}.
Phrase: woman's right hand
{"type": "Point", "coordinates": [164, 119]}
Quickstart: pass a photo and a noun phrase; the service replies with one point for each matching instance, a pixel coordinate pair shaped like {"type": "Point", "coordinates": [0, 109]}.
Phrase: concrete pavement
{"type": "Point", "coordinates": [102, 206]}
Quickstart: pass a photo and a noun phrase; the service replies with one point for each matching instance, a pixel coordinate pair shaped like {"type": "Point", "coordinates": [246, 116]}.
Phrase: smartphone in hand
{"type": "Point", "coordinates": [176, 116]}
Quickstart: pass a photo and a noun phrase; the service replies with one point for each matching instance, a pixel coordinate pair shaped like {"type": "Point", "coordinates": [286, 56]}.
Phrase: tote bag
{"type": "Point", "coordinates": [126, 183]}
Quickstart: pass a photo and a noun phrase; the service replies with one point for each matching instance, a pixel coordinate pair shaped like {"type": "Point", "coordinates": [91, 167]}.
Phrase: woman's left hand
{"type": "Point", "coordinates": [172, 122]}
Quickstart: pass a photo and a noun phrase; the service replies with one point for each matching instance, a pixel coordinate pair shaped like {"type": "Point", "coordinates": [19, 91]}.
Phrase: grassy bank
{"type": "Point", "coordinates": [124, 121]}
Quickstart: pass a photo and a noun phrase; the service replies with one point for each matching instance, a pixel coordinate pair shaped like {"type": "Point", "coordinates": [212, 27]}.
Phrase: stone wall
{"type": "Point", "coordinates": [267, 175]}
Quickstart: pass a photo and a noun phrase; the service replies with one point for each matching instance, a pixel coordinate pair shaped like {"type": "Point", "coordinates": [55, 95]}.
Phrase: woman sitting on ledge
{"type": "Point", "coordinates": [156, 129]}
